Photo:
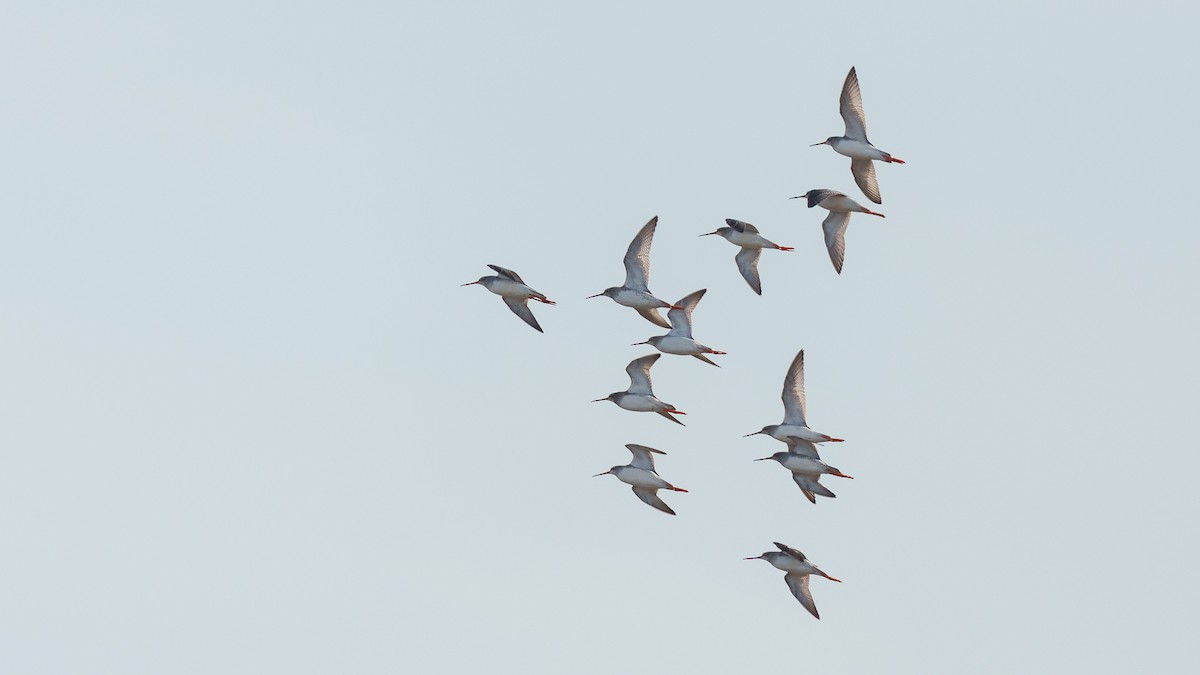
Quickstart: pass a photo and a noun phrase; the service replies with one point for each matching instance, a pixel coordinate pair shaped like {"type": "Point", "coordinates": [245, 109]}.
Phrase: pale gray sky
{"type": "Point", "coordinates": [252, 424]}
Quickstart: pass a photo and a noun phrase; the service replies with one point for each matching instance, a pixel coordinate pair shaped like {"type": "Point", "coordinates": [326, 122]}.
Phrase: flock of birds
{"type": "Point", "coordinates": [801, 457]}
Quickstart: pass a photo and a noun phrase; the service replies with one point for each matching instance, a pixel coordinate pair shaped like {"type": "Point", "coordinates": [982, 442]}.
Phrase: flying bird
{"type": "Point", "coordinates": [798, 571]}
{"type": "Point", "coordinates": [509, 285]}
{"type": "Point", "coordinates": [807, 472]}
{"type": "Point", "coordinates": [636, 293]}
{"type": "Point", "coordinates": [795, 431]}
{"type": "Point", "coordinates": [855, 144]}
{"type": "Point", "coordinates": [679, 340]}
{"type": "Point", "coordinates": [839, 206]}
{"type": "Point", "coordinates": [640, 397]}
{"type": "Point", "coordinates": [752, 243]}
{"type": "Point", "coordinates": [641, 475]}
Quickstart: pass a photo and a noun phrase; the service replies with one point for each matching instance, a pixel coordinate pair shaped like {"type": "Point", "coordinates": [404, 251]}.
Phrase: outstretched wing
{"type": "Point", "coordinates": [790, 551]}
{"type": "Point", "coordinates": [651, 498]}
{"type": "Point", "coordinates": [637, 258]}
{"type": "Point", "coordinates": [798, 583]}
{"type": "Point", "coordinates": [807, 484]}
{"type": "Point", "coordinates": [642, 457]}
{"type": "Point", "coordinates": [741, 226]}
{"type": "Point", "coordinates": [801, 447]}
{"type": "Point", "coordinates": [793, 393]}
{"type": "Point", "coordinates": [653, 316]}
{"type": "Point", "coordinates": [681, 319]}
{"type": "Point", "coordinates": [835, 225]}
{"type": "Point", "coordinates": [521, 309]}
{"type": "Point", "coordinates": [864, 175]}
{"type": "Point", "coordinates": [639, 374]}
{"type": "Point", "coordinates": [747, 264]}
{"type": "Point", "coordinates": [852, 109]}
{"type": "Point", "coordinates": [815, 197]}
{"type": "Point", "coordinates": [507, 274]}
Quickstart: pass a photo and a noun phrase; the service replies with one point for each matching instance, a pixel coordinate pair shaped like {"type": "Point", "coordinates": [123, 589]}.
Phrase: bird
{"type": "Point", "coordinates": [806, 471]}
{"type": "Point", "coordinates": [640, 397]}
{"type": "Point", "coordinates": [679, 340]}
{"type": "Point", "coordinates": [855, 144]}
{"type": "Point", "coordinates": [509, 285]}
{"type": "Point", "coordinates": [752, 243]}
{"type": "Point", "coordinates": [798, 571]}
{"type": "Point", "coordinates": [641, 475]}
{"type": "Point", "coordinates": [795, 430]}
{"type": "Point", "coordinates": [635, 293]}
{"type": "Point", "coordinates": [839, 206]}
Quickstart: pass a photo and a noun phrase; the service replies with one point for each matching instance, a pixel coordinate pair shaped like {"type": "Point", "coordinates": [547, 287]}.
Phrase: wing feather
{"type": "Point", "coordinates": [637, 258]}
{"type": "Point", "coordinates": [852, 108]}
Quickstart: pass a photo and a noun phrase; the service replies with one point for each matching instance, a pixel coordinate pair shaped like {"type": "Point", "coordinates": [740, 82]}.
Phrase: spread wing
{"type": "Point", "coordinates": [521, 309]}
{"type": "Point", "coordinates": [835, 236]}
{"type": "Point", "coordinates": [864, 175]}
{"type": "Point", "coordinates": [790, 551]}
{"type": "Point", "coordinates": [852, 109]}
{"type": "Point", "coordinates": [741, 226]}
{"type": "Point", "coordinates": [747, 263]}
{"type": "Point", "coordinates": [793, 393]}
{"type": "Point", "coordinates": [807, 485]}
{"type": "Point", "coordinates": [639, 374]}
{"type": "Point", "coordinates": [637, 258]}
{"type": "Point", "coordinates": [798, 583]}
{"type": "Point", "coordinates": [815, 197]}
{"type": "Point", "coordinates": [652, 316]}
{"type": "Point", "coordinates": [507, 274]}
{"type": "Point", "coordinates": [642, 458]}
{"type": "Point", "coordinates": [651, 498]}
{"type": "Point", "coordinates": [681, 319]}
{"type": "Point", "coordinates": [802, 447]}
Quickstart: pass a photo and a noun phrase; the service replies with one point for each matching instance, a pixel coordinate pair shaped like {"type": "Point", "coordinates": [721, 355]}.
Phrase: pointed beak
{"type": "Point", "coordinates": [821, 143]}
{"type": "Point", "coordinates": [707, 233]}
{"type": "Point", "coordinates": [640, 343]}
{"type": "Point", "coordinates": [594, 296]}
{"type": "Point", "coordinates": [753, 434]}
{"type": "Point", "coordinates": [600, 399]}
{"type": "Point", "coordinates": [798, 196]}
{"type": "Point", "coordinates": [757, 557]}
{"type": "Point", "coordinates": [763, 459]}
{"type": "Point", "coordinates": [470, 283]}
{"type": "Point", "coordinates": [603, 474]}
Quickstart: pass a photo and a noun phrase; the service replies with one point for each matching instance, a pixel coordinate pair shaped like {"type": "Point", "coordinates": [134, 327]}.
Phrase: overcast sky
{"type": "Point", "coordinates": [253, 424]}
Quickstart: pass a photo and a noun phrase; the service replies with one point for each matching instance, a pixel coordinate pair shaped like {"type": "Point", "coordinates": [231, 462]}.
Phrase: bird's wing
{"type": "Point", "coordinates": [798, 583]}
{"type": "Point", "coordinates": [808, 484]}
{"type": "Point", "coordinates": [798, 446]}
{"type": "Point", "coordinates": [507, 274]}
{"type": "Point", "coordinates": [651, 497]}
{"type": "Point", "coordinates": [639, 374]}
{"type": "Point", "coordinates": [864, 175]}
{"type": "Point", "coordinates": [637, 258]}
{"type": "Point", "coordinates": [741, 226]}
{"type": "Point", "coordinates": [747, 262]}
{"type": "Point", "coordinates": [852, 109]}
{"type": "Point", "coordinates": [642, 457]}
{"type": "Point", "coordinates": [790, 551]}
{"type": "Point", "coordinates": [815, 197]}
{"type": "Point", "coordinates": [671, 417]}
{"type": "Point", "coordinates": [706, 360]}
{"type": "Point", "coordinates": [809, 496]}
{"type": "Point", "coordinates": [681, 319]}
{"type": "Point", "coordinates": [521, 309]}
{"type": "Point", "coordinates": [835, 236]}
{"type": "Point", "coordinates": [794, 407]}
{"type": "Point", "coordinates": [653, 316]}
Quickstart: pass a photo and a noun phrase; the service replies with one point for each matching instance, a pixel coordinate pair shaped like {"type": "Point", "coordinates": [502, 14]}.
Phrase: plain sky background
{"type": "Point", "coordinates": [252, 424]}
